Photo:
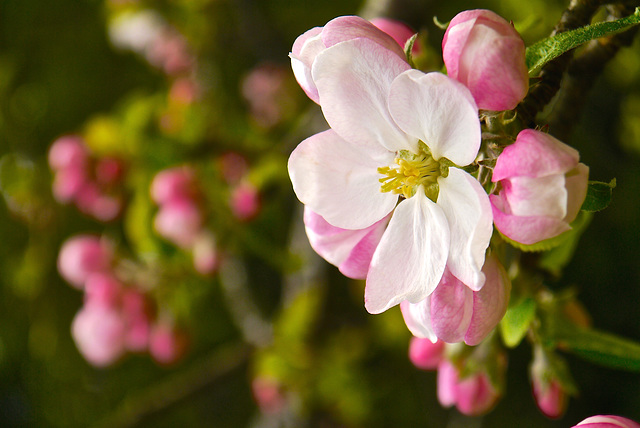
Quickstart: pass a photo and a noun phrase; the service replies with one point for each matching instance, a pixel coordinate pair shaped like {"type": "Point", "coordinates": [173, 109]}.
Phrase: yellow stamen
{"type": "Point", "coordinates": [411, 171]}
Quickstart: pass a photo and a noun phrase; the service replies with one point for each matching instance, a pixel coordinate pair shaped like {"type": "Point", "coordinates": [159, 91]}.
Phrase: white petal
{"type": "Point", "coordinates": [468, 211]}
{"type": "Point", "coordinates": [353, 80]}
{"type": "Point", "coordinates": [339, 181]}
{"type": "Point", "coordinates": [411, 256]}
{"type": "Point", "coordinates": [439, 111]}
{"type": "Point", "coordinates": [417, 317]}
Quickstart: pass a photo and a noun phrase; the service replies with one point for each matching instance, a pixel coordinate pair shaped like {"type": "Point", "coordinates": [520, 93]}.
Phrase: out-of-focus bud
{"type": "Point", "coordinates": [102, 289]}
{"type": "Point", "coordinates": [425, 354]}
{"type": "Point", "coordinates": [136, 314]}
{"type": "Point", "coordinates": [307, 46]}
{"type": "Point", "coordinates": [67, 152]}
{"type": "Point", "coordinates": [205, 254]}
{"type": "Point", "coordinates": [550, 398]}
{"type": "Point", "coordinates": [68, 183]}
{"type": "Point", "coordinates": [233, 167]}
{"type": "Point", "coordinates": [268, 394]}
{"type": "Point", "coordinates": [542, 187]}
{"type": "Point", "coordinates": [607, 421]}
{"type": "Point", "coordinates": [109, 171]}
{"type": "Point", "coordinates": [245, 201]}
{"type": "Point", "coordinates": [166, 344]}
{"type": "Point", "coordinates": [81, 256]}
{"type": "Point", "coordinates": [174, 183]}
{"type": "Point", "coordinates": [485, 53]}
{"type": "Point", "coordinates": [99, 332]}
{"type": "Point", "coordinates": [179, 221]}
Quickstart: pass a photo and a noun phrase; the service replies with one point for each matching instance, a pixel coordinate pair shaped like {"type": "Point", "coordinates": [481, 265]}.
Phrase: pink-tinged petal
{"type": "Point", "coordinates": [439, 111]}
{"type": "Point", "coordinates": [576, 183]}
{"type": "Point", "coordinates": [447, 384]}
{"type": "Point", "coordinates": [451, 309]}
{"type": "Point", "coordinates": [417, 317]}
{"type": "Point", "coordinates": [426, 354]}
{"type": "Point", "coordinates": [346, 28]}
{"type": "Point", "coordinates": [304, 52]}
{"type": "Point", "coordinates": [490, 303]}
{"type": "Point", "coordinates": [353, 80]}
{"type": "Point", "coordinates": [535, 154]}
{"type": "Point", "coordinates": [542, 196]}
{"type": "Point", "coordinates": [497, 75]}
{"type": "Point", "coordinates": [350, 250]}
{"type": "Point", "coordinates": [400, 32]}
{"type": "Point", "coordinates": [526, 230]}
{"type": "Point", "coordinates": [607, 421]}
{"type": "Point", "coordinates": [468, 212]}
{"type": "Point", "coordinates": [411, 257]}
{"type": "Point", "coordinates": [339, 181]}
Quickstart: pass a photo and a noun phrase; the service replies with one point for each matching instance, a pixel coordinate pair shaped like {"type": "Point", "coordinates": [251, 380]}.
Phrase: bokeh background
{"type": "Point", "coordinates": [275, 336]}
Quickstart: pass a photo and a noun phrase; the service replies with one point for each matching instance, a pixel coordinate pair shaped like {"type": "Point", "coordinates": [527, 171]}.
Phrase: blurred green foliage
{"type": "Point", "coordinates": [302, 328]}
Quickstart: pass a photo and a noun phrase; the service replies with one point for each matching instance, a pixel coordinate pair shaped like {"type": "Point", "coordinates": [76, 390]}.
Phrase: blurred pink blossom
{"type": "Point", "coordinates": [173, 183]}
{"type": "Point", "coordinates": [179, 221]}
{"type": "Point", "coordinates": [425, 354]}
{"type": "Point", "coordinates": [550, 397]}
{"type": "Point", "coordinates": [473, 395]}
{"type": "Point", "coordinates": [245, 201]}
{"type": "Point", "coordinates": [166, 344]}
{"type": "Point", "coordinates": [99, 334]}
{"type": "Point", "coordinates": [82, 256]}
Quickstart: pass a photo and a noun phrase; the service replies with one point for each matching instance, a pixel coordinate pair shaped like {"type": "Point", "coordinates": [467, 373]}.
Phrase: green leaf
{"type": "Point", "coordinates": [545, 50]}
{"type": "Point", "coordinates": [597, 346]}
{"type": "Point", "coordinates": [516, 321]}
{"type": "Point", "coordinates": [598, 196]}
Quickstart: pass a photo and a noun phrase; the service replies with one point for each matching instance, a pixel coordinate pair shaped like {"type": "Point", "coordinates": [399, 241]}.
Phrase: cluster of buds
{"type": "Point", "coordinates": [244, 200]}
{"type": "Point", "coordinates": [472, 382]}
{"type": "Point", "coordinates": [116, 318]}
{"type": "Point", "coordinates": [92, 184]}
{"type": "Point", "coordinates": [180, 218]}
{"type": "Point", "coordinates": [148, 34]}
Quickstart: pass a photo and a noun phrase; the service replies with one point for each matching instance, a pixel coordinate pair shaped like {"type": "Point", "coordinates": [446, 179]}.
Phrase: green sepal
{"type": "Point", "coordinates": [540, 53]}
{"type": "Point", "coordinates": [598, 196]}
{"type": "Point", "coordinates": [599, 347]}
{"type": "Point", "coordinates": [516, 321]}
{"type": "Point", "coordinates": [408, 47]}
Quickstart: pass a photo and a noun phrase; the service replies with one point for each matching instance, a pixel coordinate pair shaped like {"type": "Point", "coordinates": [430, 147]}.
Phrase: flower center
{"type": "Point", "coordinates": [411, 171]}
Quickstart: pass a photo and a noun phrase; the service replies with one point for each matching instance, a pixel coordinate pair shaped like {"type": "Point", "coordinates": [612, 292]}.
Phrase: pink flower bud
{"type": "Point", "coordinates": [102, 289]}
{"type": "Point", "coordinates": [607, 421]}
{"type": "Point", "coordinates": [473, 395]}
{"type": "Point", "coordinates": [233, 167]}
{"type": "Point", "coordinates": [105, 207]}
{"type": "Point", "coordinates": [174, 183]}
{"type": "Point", "coordinates": [67, 152]}
{"type": "Point", "coordinates": [109, 171]}
{"type": "Point", "coordinates": [425, 354]}
{"type": "Point", "coordinates": [179, 221]}
{"type": "Point", "coordinates": [542, 187]}
{"type": "Point", "coordinates": [68, 183]}
{"type": "Point", "coordinates": [166, 344]}
{"type": "Point", "coordinates": [307, 46]}
{"type": "Point", "coordinates": [245, 201]}
{"type": "Point", "coordinates": [135, 313]}
{"type": "Point", "coordinates": [81, 256]}
{"type": "Point", "coordinates": [550, 397]}
{"type": "Point", "coordinates": [98, 332]}
{"type": "Point", "coordinates": [485, 53]}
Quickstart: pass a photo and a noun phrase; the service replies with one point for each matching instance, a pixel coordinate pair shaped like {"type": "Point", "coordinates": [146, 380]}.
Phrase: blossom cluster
{"type": "Point", "coordinates": [116, 318]}
{"type": "Point", "coordinates": [92, 184]}
{"type": "Point", "coordinates": [392, 192]}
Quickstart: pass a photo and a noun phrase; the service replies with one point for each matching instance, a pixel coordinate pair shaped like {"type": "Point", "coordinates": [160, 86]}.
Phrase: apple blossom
{"type": "Point", "coordinates": [179, 221]}
{"type": "Point", "coordinates": [454, 313]}
{"type": "Point", "coordinates": [307, 46]}
{"type": "Point", "coordinates": [484, 52]}
{"type": "Point", "coordinates": [397, 140]}
{"type": "Point", "coordinates": [541, 188]}
{"type": "Point", "coordinates": [99, 334]}
{"type": "Point", "coordinates": [607, 421]}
